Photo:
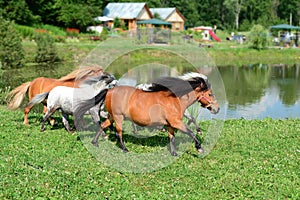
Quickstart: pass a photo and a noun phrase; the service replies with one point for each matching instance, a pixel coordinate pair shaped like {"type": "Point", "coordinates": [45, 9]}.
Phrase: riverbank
{"type": "Point", "coordinates": [223, 54]}
{"type": "Point", "coordinates": [252, 159]}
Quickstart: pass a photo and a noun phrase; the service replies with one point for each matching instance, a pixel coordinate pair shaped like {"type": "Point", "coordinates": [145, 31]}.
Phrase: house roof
{"type": "Point", "coordinates": [124, 10]}
{"type": "Point", "coordinates": [164, 13]}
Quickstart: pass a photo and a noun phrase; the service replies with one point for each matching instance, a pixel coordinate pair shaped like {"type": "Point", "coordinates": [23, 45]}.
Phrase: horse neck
{"type": "Point", "coordinates": [188, 99]}
{"type": "Point", "coordinates": [97, 87]}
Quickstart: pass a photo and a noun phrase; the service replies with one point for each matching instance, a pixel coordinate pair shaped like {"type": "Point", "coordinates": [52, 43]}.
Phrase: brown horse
{"type": "Point", "coordinates": [163, 105]}
{"type": "Point", "coordinates": [43, 84]}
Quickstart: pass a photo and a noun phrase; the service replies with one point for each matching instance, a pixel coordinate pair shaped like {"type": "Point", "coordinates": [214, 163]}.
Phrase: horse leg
{"type": "Point", "coordinates": [95, 116]}
{"type": "Point", "coordinates": [46, 116]}
{"type": "Point", "coordinates": [118, 121]}
{"type": "Point", "coordinates": [172, 141]}
{"type": "Point", "coordinates": [135, 130]}
{"type": "Point", "coordinates": [52, 121]}
{"type": "Point", "coordinates": [26, 111]}
{"type": "Point", "coordinates": [191, 119]}
{"type": "Point", "coordinates": [65, 120]}
{"type": "Point", "coordinates": [180, 126]}
{"type": "Point", "coordinates": [100, 132]}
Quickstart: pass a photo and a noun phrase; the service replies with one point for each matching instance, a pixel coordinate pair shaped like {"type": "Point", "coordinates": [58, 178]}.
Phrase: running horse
{"type": "Point", "coordinates": [165, 105]}
{"type": "Point", "coordinates": [43, 84]}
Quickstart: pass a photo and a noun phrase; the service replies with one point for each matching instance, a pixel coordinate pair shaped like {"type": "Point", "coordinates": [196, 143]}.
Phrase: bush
{"type": "Point", "coordinates": [25, 31]}
{"type": "Point", "coordinates": [12, 53]}
{"type": "Point", "coordinates": [53, 30]}
{"type": "Point", "coordinates": [46, 49]}
{"type": "Point", "coordinates": [259, 37]}
{"type": "Point", "coordinates": [104, 33]}
{"type": "Point", "coordinates": [3, 90]}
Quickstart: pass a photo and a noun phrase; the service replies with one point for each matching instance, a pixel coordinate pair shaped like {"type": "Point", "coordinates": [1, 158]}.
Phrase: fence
{"type": "Point", "coordinates": [154, 35]}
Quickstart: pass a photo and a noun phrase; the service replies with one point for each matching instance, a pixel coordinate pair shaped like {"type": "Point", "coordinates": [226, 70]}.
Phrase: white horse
{"type": "Point", "coordinates": [67, 98]}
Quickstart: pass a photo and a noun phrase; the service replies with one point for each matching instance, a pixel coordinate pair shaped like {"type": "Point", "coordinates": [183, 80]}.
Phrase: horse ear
{"type": "Point", "coordinates": [202, 86]}
{"type": "Point", "coordinates": [198, 89]}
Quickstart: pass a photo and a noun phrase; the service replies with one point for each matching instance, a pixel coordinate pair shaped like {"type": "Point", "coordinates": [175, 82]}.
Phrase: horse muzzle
{"type": "Point", "coordinates": [213, 107]}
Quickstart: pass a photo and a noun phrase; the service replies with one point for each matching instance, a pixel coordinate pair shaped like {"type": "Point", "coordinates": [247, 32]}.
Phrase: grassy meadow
{"type": "Point", "coordinates": [255, 159]}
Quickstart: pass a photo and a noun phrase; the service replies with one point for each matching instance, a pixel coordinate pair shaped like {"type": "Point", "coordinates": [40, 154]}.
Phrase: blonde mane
{"type": "Point", "coordinates": [82, 73]}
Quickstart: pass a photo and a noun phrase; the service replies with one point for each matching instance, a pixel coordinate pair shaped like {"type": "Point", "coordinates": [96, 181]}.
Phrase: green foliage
{"type": "Point", "coordinates": [246, 25]}
{"type": "Point", "coordinates": [53, 29]}
{"type": "Point", "coordinates": [77, 15]}
{"type": "Point", "coordinates": [25, 31]}
{"type": "Point", "coordinates": [157, 16]}
{"type": "Point", "coordinates": [11, 54]}
{"type": "Point", "coordinates": [46, 49]}
{"type": "Point", "coordinates": [18, 11]}
{"type": "Point", "coordinates": [259, 37]}
{"type": "Point", "coordinates": [119, 23]}
{"type": "Point", "coordinates": [104, 33]}
{"type": "Point", "coordinates": [228, 14]}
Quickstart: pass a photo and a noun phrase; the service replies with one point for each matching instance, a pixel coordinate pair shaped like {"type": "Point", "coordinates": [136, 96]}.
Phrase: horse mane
{"type": "Point", "coordinates": [94, 79]}
{"type": "Point", "coordinates": [179, 86]}
{"type": "Point", "coordinates": [82, 73]}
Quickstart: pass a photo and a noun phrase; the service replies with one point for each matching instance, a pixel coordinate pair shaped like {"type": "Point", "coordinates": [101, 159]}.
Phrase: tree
{"type": "Point", "coordinates": [78, 15]}
{"type": "Point", "coordinates": [235, 7]}
{"type": "Point", "coordinates": [46, 49]}
{"type": "Point", "coordinates": [12, 53]}
{"type": "Point", "coordinates": [259, 37]}
{"type": "Point", "coordinates": [18, 11]}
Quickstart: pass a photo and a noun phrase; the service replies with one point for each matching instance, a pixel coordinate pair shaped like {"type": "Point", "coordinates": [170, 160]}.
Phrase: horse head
{"type": "Point", "coordinates": [203, 90]}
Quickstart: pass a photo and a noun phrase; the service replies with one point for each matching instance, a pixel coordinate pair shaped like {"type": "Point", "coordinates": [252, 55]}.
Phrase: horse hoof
{"type": "Point", "coordinates": [201, 151]}
{"type": "Point", "coordinates": [95, 144]}
{"type": "Point", "coordinates": [42, 130]}
{"type": "Point", "coordinates": [71, 131]}
{"type": "Point", "coordinates": [125, 150]}
{"type": "Point", "coordinates": [174, 153]}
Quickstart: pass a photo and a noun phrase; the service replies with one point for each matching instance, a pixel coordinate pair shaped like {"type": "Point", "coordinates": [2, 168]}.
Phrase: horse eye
{"type": "Point", "coordinates": [211, 95]}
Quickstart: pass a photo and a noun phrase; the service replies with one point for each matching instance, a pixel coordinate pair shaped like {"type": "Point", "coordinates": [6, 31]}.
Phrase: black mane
{"type": "Point", "coordinates": [178, 86]}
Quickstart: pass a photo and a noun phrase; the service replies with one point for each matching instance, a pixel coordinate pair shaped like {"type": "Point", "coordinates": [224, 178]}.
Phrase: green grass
{"type": "Point", "coordinates": [224, 53]}
{"type": "Point", "coordinates": [257, 159]}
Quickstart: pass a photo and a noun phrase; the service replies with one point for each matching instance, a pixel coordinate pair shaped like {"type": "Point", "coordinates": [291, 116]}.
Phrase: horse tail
{"type": "Point", "coordinates": [16, 96]}
{"type": "Point", "coordinates": [84, 106]}
{"type": "Point", "coordinates": [39, 98]}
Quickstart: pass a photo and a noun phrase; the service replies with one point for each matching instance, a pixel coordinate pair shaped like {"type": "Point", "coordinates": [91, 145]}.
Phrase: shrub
{"type": "Point", "coordinates": [72, 32]}
{"type": "Point", "coordinates": [12, 53]}
{"type": "Point", "coordinates": [104, 33]}
{"type": "Point", "coordinates": [54, 30]}
{"type": "Point", "coordinates": [25, 31]}
{"type": "Point", "coordinates": [3, 90]}
{"type": "Point", "coordinates": [46, 49]}
{"type": "Point", "coordinates": [259, 37]}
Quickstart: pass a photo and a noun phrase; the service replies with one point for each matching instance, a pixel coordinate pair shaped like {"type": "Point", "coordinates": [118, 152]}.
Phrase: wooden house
{"type": "Point", "coordinates": [171, 15]}
{"type": "Point", "coordinates": [129, 13]}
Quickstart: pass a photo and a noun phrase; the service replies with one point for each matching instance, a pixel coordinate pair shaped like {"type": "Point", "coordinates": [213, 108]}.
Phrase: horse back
{"type": "Point", "coordinates": [117, 99]}
{"type": "Point", "coordinates": [43, 84]}
{"type": "Point", "coordinates": [144, 108]}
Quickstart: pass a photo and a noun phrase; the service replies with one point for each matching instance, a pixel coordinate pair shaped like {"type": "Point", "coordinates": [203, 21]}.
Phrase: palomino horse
{"type": "Point", "coordinates": [66, 98]}
{"type": "Point", "coordinates": [43, 84]}
{"type": "Point", "coordinates": [163, 105]}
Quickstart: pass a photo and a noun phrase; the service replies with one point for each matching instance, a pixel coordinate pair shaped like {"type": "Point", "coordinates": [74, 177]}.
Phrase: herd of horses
{"type": "Point", "coordinates": [91, 90]}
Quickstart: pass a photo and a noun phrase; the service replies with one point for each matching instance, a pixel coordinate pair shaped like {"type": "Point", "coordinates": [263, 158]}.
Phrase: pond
{"type": "Point", "coordinates": [256, 92]}
{"type": "Point", "coordinates": [252, 92]}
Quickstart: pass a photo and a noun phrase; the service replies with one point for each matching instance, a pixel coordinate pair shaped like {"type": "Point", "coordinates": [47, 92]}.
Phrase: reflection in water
{"type": "Point", "coordinates": [262, 91]}
{"type": "Point", "coordinates": [252, 92]}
